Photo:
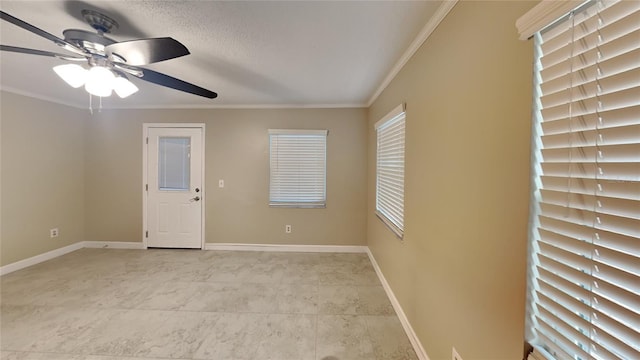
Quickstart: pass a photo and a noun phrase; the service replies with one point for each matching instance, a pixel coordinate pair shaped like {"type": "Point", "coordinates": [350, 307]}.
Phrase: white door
{"type": "Point", "coordinates": [174, 208]}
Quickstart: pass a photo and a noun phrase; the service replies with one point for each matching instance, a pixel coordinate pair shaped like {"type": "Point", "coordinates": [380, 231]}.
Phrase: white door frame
{"type": "Point", "coordinates": [145, 193]}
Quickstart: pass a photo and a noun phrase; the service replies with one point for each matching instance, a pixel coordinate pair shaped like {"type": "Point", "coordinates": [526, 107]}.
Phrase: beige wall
{"type": "Point", "coordinates": [42, 176]}
{"type": "Point", "coordinates": [236, 151]}
{"type": "Point", "coordinates": [82, 173]}
{"type": "Point", "coordinates": [459, 273]}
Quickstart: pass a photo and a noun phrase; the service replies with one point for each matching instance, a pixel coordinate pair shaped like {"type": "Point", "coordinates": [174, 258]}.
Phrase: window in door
{"type": "Point", "coordinates": [174, 155]}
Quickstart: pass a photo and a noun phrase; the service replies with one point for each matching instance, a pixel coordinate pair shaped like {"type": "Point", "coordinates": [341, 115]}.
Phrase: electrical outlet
{"type": "Point", "coordinates": [53, 233]}
{"type": "Point", "coordinates": [221, 183]}
{"type": "Point", "coordinates": [455, 355]}
{"type": "Point", "coordinates": [287, 229]}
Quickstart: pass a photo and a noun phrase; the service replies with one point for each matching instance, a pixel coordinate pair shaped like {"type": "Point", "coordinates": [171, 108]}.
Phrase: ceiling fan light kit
{"type": "Point", "coordinates": [108, 61]}
{"type": "Point", "coordinates": [97, 81]}
{"type": "Point", "coordinates": [123, 87]}
{"type": "Point", "coordinates": [72, 74]}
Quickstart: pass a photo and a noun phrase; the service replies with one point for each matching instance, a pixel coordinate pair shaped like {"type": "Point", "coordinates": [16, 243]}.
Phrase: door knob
{"type": "Point", "coordinates": [197, 198]}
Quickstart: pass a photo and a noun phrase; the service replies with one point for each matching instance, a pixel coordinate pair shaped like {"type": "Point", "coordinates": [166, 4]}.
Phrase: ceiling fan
{"type": "Point", "coordinates": [106, 61]}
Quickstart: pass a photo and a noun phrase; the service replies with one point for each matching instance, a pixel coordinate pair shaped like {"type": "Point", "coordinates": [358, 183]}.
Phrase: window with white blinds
{"type": "Point", "coordinates": [297, 168]}
{"type": "Point", "coordinates": [585, 227]}
{"type": "Point", "coordinates": [390, 170]}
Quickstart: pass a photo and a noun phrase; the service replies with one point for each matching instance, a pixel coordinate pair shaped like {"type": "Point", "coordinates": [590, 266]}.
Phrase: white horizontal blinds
{"type": "Point", "coordinates": [586, 239]}
{"type": "Point", "coordinates": [297, 167]}
{"type": "Point", "coordinates": [390, 168]}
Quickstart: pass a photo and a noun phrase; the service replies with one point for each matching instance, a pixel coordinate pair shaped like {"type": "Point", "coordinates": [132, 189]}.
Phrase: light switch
{"type": "Point", "coordinates": [220, 183]}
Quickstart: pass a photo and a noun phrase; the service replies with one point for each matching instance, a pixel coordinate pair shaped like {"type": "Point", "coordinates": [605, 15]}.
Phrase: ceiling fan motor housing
{"type": "Point", "coordinates": [99, 21]}
{"type": "Point", "coordinates": [94, 43]}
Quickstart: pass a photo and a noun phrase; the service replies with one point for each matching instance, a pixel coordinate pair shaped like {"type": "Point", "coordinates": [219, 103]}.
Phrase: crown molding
{"type": "Point", "coordinates": [243, 106]}
{"type": "Point", "coordinates": [38, 97]}
{"type": "Point", "coordinates": [542, 15]}
{"type": "Point", "coordinates": [159, 106]}
{"type": "Point", "coordinates": [424, 34]}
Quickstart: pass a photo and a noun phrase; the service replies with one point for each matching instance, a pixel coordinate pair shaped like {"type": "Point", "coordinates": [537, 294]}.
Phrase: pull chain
{"type": "Point", "coordinates": [91, 104]}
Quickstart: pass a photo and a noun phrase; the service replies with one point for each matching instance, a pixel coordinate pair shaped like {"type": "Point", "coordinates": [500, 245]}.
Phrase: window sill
{"type": "Point", "coordinates": [298, 205]}
{"type": "Point", "coordinates": [391, 226]}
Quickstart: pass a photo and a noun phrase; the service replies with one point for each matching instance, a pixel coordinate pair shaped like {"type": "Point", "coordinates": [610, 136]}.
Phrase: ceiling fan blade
{"type": "Point", "coordinates": [65, 44]}
{"type": "Point", "coordinates": [146, 51]}
{"type": "Point", "coordinates": [40, 52]}
{"type": "Point", "coordinates": [166, 80]}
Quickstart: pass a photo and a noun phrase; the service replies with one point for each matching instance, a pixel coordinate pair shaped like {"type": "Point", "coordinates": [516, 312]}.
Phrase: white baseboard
{"type": "Point", "coordinates": [413, 338]}
{"type": "Point", "coordinates": [18, 265]}
{"type": "Point", "coordinates": [113, 245]}
{"type": "Point", "coordinates": [286, 248]}
{"type": "Point", "coordinates": [34, 260]}
{"type": "Point", "coordinates": [139, 245]}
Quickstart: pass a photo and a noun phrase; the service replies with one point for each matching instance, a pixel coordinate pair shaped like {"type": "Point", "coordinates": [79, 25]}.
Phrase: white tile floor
{"type": "Point", "coordinates": [103, 304]}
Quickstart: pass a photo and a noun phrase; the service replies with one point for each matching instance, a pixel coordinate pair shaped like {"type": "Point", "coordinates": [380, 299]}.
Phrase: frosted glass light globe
{"type": "Point", "coordinates": [100, 81]}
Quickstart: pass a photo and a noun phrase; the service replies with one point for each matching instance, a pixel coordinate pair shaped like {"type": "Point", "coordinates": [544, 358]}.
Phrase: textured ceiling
{"type": "Point", "coordinates": [252, 53]}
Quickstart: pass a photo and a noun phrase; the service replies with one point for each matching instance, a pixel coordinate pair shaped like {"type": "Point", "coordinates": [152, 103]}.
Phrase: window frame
{"type": "Point", "coordinates": [301, 134]}
{"type": "Point", "coordinates": [561, 251]}
{"type": "Point", "coordinates": [392, 218]}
